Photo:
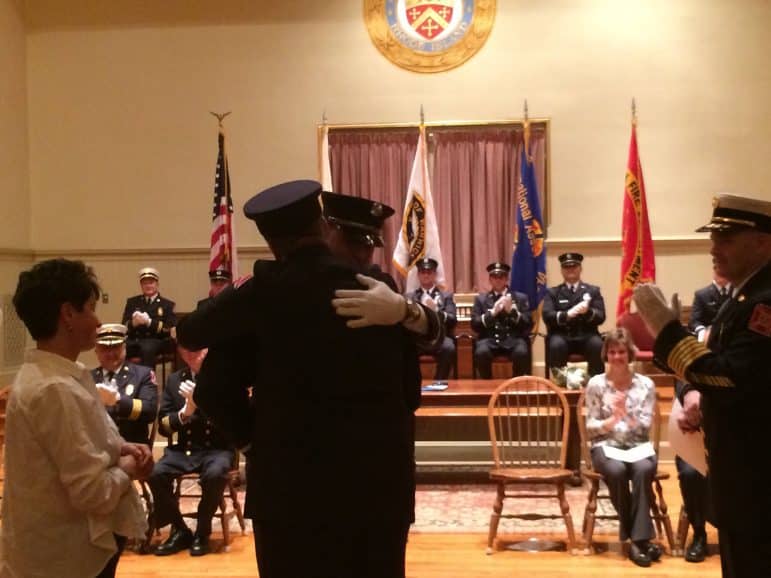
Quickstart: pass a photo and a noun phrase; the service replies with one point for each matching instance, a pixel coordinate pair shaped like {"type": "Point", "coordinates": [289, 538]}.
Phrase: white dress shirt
{"type": "Point", "coordinates": [64, 496]}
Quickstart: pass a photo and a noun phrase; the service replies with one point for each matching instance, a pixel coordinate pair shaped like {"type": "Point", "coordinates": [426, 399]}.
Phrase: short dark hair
{"type": "Point", "coordinates": [43, 290]}
{"type": "Point", "coordinates": [618, 336]}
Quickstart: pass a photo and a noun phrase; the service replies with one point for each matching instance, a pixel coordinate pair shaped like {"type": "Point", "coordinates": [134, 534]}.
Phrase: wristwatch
{"type": "Point", "coordinates": [412, 311]}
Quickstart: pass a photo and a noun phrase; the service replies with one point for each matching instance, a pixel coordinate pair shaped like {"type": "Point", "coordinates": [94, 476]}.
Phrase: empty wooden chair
{"type": "Point", "coordinates": [529, 421]}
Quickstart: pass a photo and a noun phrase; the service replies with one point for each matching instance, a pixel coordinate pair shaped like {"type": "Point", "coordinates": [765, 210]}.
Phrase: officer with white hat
{"type": "Point", "coordinates": [128, 391]}
{"type": "Point", "coordinates": [149, 319]}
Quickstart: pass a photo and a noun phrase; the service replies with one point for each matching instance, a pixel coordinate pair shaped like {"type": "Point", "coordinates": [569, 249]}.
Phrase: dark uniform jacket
{"type": "Point", "coordinates": [198, 433]}
{"type": "Point", "coordinates": [161, 312]}
{"type": "Point", "coordinates": [706, 303]}
{"type": "Point", "coordinates": [559, 299]}
{"type": "Point", "coordinates": [445, 302]}
{"type": "Point", "coordinates": [331, 426]}
{"type": "Point", "coordinates": [137, 407]}
{"type": "Point", "coordinates": [504, 327]}
{"type": "Point", "coordinates": [733, 374]}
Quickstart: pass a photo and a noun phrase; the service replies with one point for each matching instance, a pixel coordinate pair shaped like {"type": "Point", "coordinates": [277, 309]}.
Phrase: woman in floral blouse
{"type": "Point", "coordinates": [620, 409]}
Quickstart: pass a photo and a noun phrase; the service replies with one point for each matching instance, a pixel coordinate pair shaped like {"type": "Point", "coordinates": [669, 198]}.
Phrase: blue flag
{"type": "Point", "coordinates": [528, 263]}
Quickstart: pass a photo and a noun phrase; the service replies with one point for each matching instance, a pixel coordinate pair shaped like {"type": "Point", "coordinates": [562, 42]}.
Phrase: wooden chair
{"type": "Point", "coordinates": [658, 504]}
{"type": "Point", "coordinates": [529, 421]}
{"type": "Point", "coordinates": [144, 489]}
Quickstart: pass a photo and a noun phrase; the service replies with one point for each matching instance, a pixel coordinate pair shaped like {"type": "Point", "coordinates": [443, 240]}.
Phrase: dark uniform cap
{"type": "Point", "coordinates": [285, 209]}
{"type": "Point", "coordinates": [570, 259]}
{"type": "Point", "coordinates": [149, 272]}
{"type": "Point", "coordinates": [497, 268]}
{"type": "Point", "coordinates": [427, 264]}
{"type": "Point", "coordinates": [111, 334]}
{"type": "Point", "coordinates": [220, 275]}
{"type": "Point", "coordinates": [359, 218]}
{"type": "Point", "coordinates": [732, 213]}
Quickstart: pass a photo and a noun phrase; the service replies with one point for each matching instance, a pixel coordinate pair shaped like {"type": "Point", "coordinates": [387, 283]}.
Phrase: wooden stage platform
{"type": "Point", "coordinates": [452, 432]}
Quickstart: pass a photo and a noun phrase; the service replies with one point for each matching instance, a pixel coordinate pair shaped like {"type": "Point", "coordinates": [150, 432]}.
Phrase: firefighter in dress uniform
{"type": "Point", "coordinates": [127, 390]}
{"type": "Point", "coordinates": [149, 318]}
{"type": "Point", "coordinates": [733, 376]}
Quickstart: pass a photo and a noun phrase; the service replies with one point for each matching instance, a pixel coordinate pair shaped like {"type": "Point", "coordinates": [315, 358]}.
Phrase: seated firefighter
{"type": "Point", "coordinates": [198, 448]}
{"type": "Point", "coordinates": [128, 391]}
{"type": "Point", "coordinates": [443, 303]}
{"type": "Point", "coordinates": [503, 321]}
{"type": "Point", "coordinates": [572, 312]}
{"type": "Point", "coordinates": [149, 318]}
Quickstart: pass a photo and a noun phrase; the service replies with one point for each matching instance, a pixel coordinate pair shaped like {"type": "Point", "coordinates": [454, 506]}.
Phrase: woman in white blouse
{"type": "Point", "coordinates": [620, 406]}
{"type": "Point", "coordinates": [69, 503]}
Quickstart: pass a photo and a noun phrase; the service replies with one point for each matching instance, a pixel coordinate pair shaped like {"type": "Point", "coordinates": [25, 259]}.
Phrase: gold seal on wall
{"type": "Point", "coordinates": [429, 35]}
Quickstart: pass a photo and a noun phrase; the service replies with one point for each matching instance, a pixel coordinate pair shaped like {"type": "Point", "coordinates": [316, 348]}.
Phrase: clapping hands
{"type": "Point", "coordinates": [186, 390]}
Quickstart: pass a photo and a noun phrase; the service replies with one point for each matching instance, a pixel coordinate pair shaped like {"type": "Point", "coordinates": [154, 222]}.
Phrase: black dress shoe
{"type": "Point", "coordinates": [178, 540]}
{"type": "Point", "coordinates": [200, 546]}
{"type": "Point", "coordinates": [697, 551]}
{"type": "Point", "coordinates": [654, 552]}
{"type": "Point", "coordinates": [639, 556]}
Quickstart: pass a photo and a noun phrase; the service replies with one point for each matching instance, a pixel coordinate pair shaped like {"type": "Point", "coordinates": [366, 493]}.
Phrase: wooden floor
{"type": "Point", "coordinates": [446, 556]}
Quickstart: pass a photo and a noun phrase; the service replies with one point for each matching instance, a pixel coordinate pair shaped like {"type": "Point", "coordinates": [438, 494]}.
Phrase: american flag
{"type": "Point", "coordinates": [223, 248]}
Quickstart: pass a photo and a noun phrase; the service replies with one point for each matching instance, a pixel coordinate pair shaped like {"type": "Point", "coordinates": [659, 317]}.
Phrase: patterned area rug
{"type": "Point", "coordinates": [467, 508]}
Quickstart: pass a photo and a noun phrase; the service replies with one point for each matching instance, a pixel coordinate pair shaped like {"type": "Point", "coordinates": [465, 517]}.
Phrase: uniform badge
{"type": "Point", "coordinates": [160, 311]}
{"type": "Point", "coordinates": [129, 389]}
{"type": "Point", "coordinates": [760, 322]}
{"type": "Point", "coordinates": [429, 35]}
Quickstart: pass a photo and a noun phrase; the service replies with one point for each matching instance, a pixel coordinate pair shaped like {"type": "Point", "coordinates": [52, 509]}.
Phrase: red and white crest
{"type": "Point", "coordinates": [429, 18]}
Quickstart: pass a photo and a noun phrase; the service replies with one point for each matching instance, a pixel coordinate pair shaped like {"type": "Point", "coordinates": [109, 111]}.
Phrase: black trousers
{"type": "Point", "coordinates": [518, 351]}
{"type": "Point", "coordinates": [745, 554]}
{"type": "Point", "coordinates": [112, 565]}
{"type": "Point", "coordinates": [445, 358]}
{"type": "Point", "coordinates": [213, 467]}
{"type": "Point", "coordinates": [693, 489]}
{"type": "Point", "coordinates": [559, 347]}
{"type": "Point", "coordinates": [334, 549]}
{"type": "Point", "coordinates": [633, 507]}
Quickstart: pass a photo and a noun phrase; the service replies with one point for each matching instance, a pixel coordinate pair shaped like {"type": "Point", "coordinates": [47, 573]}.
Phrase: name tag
{"type": "Point", "coordinates": [564, 301]}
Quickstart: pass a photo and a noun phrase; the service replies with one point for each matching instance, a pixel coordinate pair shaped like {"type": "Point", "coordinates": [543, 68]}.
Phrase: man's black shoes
{"type": "Point", "coordinates": [654, 552]}
{"type": "Point", "coordinates": [639, 554]}
{"type": "Point", "coordinates": [697, 551]}
{"type": "Point", "coordinates": [200, 546]}
{"type": "Point", "coordinates": [180, 539]}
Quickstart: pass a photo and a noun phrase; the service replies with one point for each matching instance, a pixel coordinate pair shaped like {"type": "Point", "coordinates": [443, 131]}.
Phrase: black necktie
{"type": "Point", "coordinates": [110, 375]}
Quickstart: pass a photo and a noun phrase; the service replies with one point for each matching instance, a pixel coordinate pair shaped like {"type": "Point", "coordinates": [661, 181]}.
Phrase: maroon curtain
{"type": "Point", "coordinates": [474, 178]}
{"type": "Point", "coordinates": [375, 164]}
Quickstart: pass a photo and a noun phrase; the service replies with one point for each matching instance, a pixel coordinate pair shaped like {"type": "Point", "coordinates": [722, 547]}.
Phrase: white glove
{"type": "Point", "coordinates": [499, 305]}
{"type": "Point", "coordinates": [578, 309]}
{"type": "Point", "coordinates": [508, 304]}
{"type": "Point", "coordinates": [653, 308]}
{"type": "Point", "coordinates": [186, 389]}
{"type": "Point", "coordinates": [701, 335]}
{"type": "Point", "coordinates": [146, 318]}
{"type": "Point", "coordinates": [377, 305]}
{"type": "Point", "coordinates": [429, 302]}
{"type": "Point", "coordinates": [108, 393]}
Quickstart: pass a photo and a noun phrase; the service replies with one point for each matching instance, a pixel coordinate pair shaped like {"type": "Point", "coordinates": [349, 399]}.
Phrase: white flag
{"type": "Point", "coordinates": [325, 171]}
{"type": "Point", "coordinates": [419, 235]}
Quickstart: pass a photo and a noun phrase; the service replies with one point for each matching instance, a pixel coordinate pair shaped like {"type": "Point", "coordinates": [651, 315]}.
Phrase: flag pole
{"type": "Point", "coordinates": [220, 116]}
{"type": "Point", "coordinates": [526, 137]}
{"type": "Point", "coordinates": [634, 112]}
